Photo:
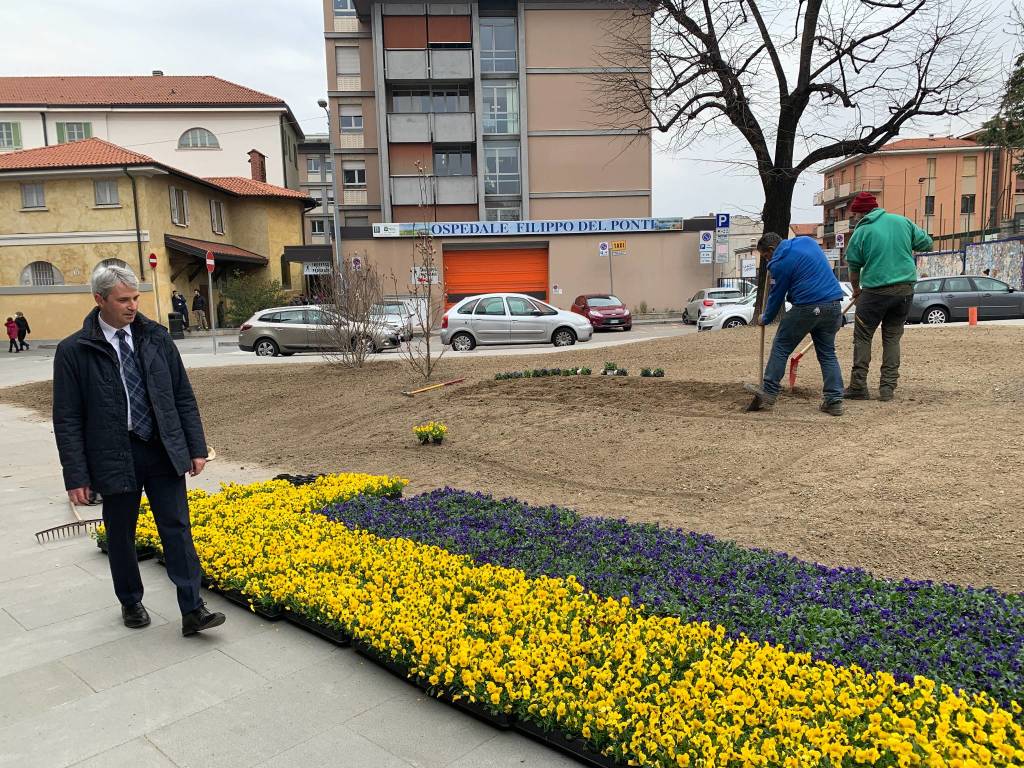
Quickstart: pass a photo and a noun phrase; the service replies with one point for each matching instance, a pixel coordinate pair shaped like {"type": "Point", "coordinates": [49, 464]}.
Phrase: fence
{"type": "Point", "coordinates": [1004, 259]}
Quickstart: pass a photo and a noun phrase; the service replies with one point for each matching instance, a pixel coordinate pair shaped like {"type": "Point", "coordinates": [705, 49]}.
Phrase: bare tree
{"type": "Point", "coordinates": [426, 295]}
{"type": "Point", "coordinates": [349, 329]}
{"type": "Point", "coordinates": [797, 83]}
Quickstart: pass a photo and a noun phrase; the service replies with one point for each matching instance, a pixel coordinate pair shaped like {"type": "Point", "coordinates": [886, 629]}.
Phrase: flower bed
{"type": "Point", "coordinates": [640, 688]}
{"type": "Point", "coordinates": [964, 637]}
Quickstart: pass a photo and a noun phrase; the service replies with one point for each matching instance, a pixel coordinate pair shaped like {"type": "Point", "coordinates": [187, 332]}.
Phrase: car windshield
{"type": "Point", "coordinates": [387, 309]}
{"type": "Point", "coordinates": [604, 301]}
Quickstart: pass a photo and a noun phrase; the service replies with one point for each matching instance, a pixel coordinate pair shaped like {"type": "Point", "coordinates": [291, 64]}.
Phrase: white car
{"type": "Point", "coordinates": [511, 318]}
{"type": "Point", "coordinates": [742, 312]}
{"type": "Point", "coordinates": [702, 301]}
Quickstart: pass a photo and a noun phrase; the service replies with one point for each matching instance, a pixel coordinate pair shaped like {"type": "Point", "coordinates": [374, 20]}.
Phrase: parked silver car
{"type": "Point", "coordinates": [704, 299]}
{"type": "Point", "coordinates": [510, 318]}
{"type": "Point", "coordinates": [940, 300]}
{"type": "Point", "coordinates": [397, 314]}
{"type": "Point", "coordinates": [287, 330]}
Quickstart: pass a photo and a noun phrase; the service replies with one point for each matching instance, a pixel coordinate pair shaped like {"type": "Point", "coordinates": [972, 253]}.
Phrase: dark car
{"type": "Point", "coordinates": [604, 311]}
{"type": "Point", "coordinates": [940, 300]}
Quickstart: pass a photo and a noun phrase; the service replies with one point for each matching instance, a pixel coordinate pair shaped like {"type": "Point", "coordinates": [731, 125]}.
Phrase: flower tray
{"type": "Point", "coordinates": [234, 596]}
{"type": "Point", "coordinates": [502, 722]}
{"type": "Point", "coordinates": [570, 746]}
{"type": "Point", "coordinates": [142, 553]}
{"type": "Point", "coordinates": [328, 633]}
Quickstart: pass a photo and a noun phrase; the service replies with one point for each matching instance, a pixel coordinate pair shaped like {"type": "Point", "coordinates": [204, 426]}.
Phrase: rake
{"type": "Point", "coordinates": [70, 530]}
{"type": "Point", "coordinates": [794, 361]}
{"type": "Point", "coordinates": [414, 392]}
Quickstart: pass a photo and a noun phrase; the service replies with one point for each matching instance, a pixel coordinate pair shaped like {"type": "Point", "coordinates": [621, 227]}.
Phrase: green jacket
{"type": "Point", "coordinates": [882, 249]}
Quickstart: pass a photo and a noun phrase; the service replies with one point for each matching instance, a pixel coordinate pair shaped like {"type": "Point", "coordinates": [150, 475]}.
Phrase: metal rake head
{"type": "Point", "coordinates": [68, 530]}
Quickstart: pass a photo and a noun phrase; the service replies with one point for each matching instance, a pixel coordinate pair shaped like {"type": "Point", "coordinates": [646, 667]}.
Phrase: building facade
{"type": "Point", "coordinates": [316, 180]}
{"type": "Point", "coordinates": [200, 124]}
{"type": "Point", "coordinates": [66, 209]}
{"type": "Point", "coordinates": [956, 189]}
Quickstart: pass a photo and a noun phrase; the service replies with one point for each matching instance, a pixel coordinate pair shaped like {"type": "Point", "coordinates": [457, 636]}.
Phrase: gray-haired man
{"type": "Point", "coordinates": [126, 420]}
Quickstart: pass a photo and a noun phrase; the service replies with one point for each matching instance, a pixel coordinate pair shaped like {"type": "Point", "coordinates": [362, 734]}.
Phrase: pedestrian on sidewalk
{"type": "Point", "coordinates": [23, 330]}
{"type": "Point", "coordinates": [199, 310]}
{"type": "Point", "coordinates": [120, 440]}
{"type": "Point", "coordinates": [12, 335]}
{"type": "Point", "coordinates": [180, 305]}
{"type": "Point", "coordinates": [883, 272]}
{"type": "Point", "coordinates": [800, 270]}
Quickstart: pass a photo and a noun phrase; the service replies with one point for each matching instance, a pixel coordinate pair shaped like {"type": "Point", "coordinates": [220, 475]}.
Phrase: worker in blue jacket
{"type": "Point", "coordinates": [800, 272]}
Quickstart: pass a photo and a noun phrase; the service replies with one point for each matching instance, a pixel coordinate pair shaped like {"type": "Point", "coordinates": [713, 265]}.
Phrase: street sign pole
{"type": "Point", "coordinates": [156, 287]}
{"type": "Point", "coordinates": [210, 266]}
{"type": "Point", "coordinates": [611, 280]}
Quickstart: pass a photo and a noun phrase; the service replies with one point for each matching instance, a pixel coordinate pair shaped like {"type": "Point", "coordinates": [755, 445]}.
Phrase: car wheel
{"type": "Point", "coordinates": [686, 317]}
{"type": "Point", "coordinates": [266, 348]}
{"type": "Point", "coordinates": [463, 342]}
{"type": "Point", "coordinates": [627, 328]}
{"type": "Point", "coordinates": [734, 322]}
{"type": "Point", "coordinates": [935, 316]}
{"type": "Point", "coordinates": [563, 337]}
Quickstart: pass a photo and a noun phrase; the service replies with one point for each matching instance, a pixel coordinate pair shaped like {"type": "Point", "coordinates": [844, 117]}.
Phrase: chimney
{"type": "Point", "coordinates": [258, 165]}
{"type": "Point", "coordinates": [158, 73]}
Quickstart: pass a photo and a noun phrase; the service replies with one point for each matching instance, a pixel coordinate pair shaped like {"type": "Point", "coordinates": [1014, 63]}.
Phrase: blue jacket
{"type": "Point", "coordinates": [800, 269]}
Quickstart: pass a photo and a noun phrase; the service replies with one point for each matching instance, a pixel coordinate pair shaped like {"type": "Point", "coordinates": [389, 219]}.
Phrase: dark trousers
{"type": "Point", "coordinates": [889, 311]}
{"type": "Point", "coordinates": [165, 490]}
{"type": "Point", "coordinates": [21, 340]}
{"type": "Point", "coordinates": [821, 321]}
{"type": "Point", "coordinates": [13, 346]}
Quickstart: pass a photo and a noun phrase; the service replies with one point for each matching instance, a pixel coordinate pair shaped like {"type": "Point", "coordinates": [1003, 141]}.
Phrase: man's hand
{"type": "Point", "coordinates": [759, 320]}
{"type": "Point", "coordinates": [80, 497]}
{"type": "Point", "coordinates": [197, 466]}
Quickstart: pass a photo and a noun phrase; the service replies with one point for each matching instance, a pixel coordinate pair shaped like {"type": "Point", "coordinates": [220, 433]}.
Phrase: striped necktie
{"type": "Point", "coordinates": [142, 413]}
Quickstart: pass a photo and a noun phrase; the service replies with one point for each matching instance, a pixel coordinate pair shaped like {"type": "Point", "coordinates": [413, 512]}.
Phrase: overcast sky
{"type": "Point", "coordinates": [278, 47]}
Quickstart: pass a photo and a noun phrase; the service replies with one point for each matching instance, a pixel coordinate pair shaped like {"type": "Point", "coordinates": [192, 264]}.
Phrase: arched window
{"type": "Point", "coordinates": [41, 273]}
{"type": "Point", "coordinates": [113, 263]}
{"type": "Point", "coordinates": [198, 138]}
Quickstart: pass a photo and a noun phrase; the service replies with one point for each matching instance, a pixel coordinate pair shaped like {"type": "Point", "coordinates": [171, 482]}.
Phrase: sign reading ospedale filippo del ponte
{"type": "Point", "coordinates": [511, 228]}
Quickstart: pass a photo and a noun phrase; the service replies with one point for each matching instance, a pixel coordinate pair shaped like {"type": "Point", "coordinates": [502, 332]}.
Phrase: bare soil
{"type": "Point", "coordinates": [929, 486]}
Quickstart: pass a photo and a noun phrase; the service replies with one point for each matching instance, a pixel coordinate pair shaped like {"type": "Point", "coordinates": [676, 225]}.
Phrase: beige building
{"type": "Point", "coordinates": [66, 209]}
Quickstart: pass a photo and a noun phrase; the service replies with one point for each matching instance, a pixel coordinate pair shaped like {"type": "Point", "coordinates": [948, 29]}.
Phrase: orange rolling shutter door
{"type": "Point", "coordinates": [496, 271]}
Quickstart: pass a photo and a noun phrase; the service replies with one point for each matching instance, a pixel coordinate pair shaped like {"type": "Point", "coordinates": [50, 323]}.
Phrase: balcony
{"type": "Point", "coordinates": [424, 128]}
{"type": "Point", "coordinates": [842, 227]}
{"type": "Point", "coordinates": [451, 64]}
{"type": "Point", "coordinates": [434, 190]}
{"type": "Point", "coordinates": [848, 189]}
{"type": "Point", "coordinates": [829, 228]}
{"type": "Point", "coordinates": [406, 65]}
{"type": "Point", "coordinates": [435, 64]}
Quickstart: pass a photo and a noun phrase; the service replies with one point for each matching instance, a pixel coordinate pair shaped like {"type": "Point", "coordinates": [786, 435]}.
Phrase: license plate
{"type": "Point", "coordinates": [613, 322]}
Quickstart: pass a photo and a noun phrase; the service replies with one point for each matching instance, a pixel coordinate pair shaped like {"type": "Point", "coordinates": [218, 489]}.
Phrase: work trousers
{"type": "Point", "coordinates": [889, 311]}
{"type": "Point", "coordinates": [165, 489]}
{"type": "Point", "coordinates": [200, 318]}
{"type": "Point", "coordinates": [821, 321]}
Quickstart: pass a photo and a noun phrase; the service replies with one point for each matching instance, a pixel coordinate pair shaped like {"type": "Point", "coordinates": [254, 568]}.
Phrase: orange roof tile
{"type": "Point", "coordinates": [75, 154]}
{"type": "Point", "coordinates": [933, 142]}
{"type": "Point", "coordinates": [154, 90]}
{"type": "Point", "coordinates": [243, 187]}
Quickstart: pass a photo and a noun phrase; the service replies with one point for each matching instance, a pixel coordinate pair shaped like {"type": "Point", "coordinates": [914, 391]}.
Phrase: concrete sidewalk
{"type": "Point", "coordinates": [78, 688]}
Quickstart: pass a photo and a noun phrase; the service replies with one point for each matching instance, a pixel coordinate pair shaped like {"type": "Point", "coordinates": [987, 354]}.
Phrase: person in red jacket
{"type": "Point", "coordinates": [12, 335]}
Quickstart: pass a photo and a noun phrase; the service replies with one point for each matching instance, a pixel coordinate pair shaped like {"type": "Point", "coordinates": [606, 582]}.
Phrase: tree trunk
{"type": "Point", "coordinates": [776, 215]}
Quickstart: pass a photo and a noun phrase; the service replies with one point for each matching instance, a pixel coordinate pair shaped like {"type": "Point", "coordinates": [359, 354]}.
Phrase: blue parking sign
{"type": "Point", "coordinates": [722, 221]}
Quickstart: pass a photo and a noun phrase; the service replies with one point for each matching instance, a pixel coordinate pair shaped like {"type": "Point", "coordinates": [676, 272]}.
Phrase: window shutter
{"type": "Point", "coordinates": [88, 130]}
{"type": "Point", "coordinates": [16, 134]}
{"type": "Point", "coordinates": [184, 199]}
{"type": "Point", "coordinates": [347, 60]}
{"type": "Point", "coordinates": [61, 134]}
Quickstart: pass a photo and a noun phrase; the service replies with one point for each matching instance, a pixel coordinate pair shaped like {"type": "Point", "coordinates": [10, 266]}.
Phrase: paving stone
{"type": "Point", "coordinates": [281, 650]}
{"type": "Point", "coordinates": [513, 750]}
{"type": "Point", "coordinates": [38, 689]}
{"type": "Point", "coordinates": [48, 606]}
{"type": "Point", "coordinates": [340, 747]}
{"type": "Point", "coordinates": [137, 753]}
{"type": "Point", "coordinates": [50, 581]}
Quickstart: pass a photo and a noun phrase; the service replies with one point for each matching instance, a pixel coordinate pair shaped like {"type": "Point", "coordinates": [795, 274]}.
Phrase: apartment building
{"type": "Point", "coordinates": [201, 124]}
{"type": "Point", "coordinates": [316, 180]}
{"type": "Point", "coordinates": [954, 188]}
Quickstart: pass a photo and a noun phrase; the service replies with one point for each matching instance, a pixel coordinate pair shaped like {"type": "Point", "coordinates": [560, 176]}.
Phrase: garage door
{"type": "Point", "coordinates": [499, 270]}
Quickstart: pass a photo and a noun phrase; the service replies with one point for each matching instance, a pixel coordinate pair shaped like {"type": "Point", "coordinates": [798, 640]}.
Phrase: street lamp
{"type": "Point", "coordinates": [322, 103]}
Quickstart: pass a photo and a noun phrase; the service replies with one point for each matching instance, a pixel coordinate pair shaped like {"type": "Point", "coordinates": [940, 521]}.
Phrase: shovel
{"type": "Point", "coordinates": [794, 361]}
{"type": "Point", "coordinates": [755, 404]}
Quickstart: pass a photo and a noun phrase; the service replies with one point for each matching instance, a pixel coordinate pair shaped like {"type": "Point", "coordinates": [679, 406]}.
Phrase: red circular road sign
{"type": "Point", "coordinates": [209, 261]}
{"type": "Point", "coordinates": [152, 260]}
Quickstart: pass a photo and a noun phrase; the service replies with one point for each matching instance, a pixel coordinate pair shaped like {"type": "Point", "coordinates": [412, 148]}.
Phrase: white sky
{"type": "Point", "coordinates": [278, 47]}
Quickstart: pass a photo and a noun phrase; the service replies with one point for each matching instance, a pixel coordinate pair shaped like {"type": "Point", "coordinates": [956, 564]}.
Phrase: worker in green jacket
{"type": "Point", "coordinates": [880, 255]}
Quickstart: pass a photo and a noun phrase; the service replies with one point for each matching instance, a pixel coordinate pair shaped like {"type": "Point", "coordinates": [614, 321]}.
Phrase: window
{"type": "Point", "coordinates": [10, 135]}
{"type": "Point", "coordinates": [503, 212]}
{"type": "Point", "coordinates": [346, 57]}
{"type": "Point", "coordinates": [217, 216]}
{"type": "Point", "coordinates": [498, 43]}
{"type": "Point", "coordinates": [958, 285]}
{"type": "Point", "coordinates": [354, 174]}
{"type": "Point", "coordinates": [970, 166]}
{"type": "Point", "coordinates": [198, 138]}
{"type": "Point", "coordinates": [318, 195]}
{"type": "Point", "coordinates": [467, 308]}
{"type": "Point", "coordinates": [33, 196]}
{"type": "Point", "coordinates": [113, 263]}
{"type": "Point", "coordinates": [453, 162]}
{"type": "Point", "coordinates": [179, 206]}
{"type": "Point", "coordinates": [543, 308]}
{"type": "Point", "coordinates": [312, 165]}
{"type": "Point", "coordinates": [73, 132]}
{"type": "Point", "coordinates": [492, 306]}
{"type": "Point", "coordinates": [501, 107]}
{"type": "Point", "coordinates": [344, 8]}
{"type": "Point", "coordinates": [328, 168]}
{"type": "Point", "coordinates": [502, 170]}
{"type": "Point", "coordinates": [928, 286]}
{"type": "Point", "coordinates": [967, 204]}
{"type": "Point", "coordinates": [518, 307]}
{"type": "Point", "coordinates": [106, 192]}
{"type": "Point", "coordinates": [451, 98]}
{"type": "Point", "coordinates": [351, 117]}
{"type": "Point", "coordinates": [318, 227]}
{"type": "Point", "coordinates": [990, 285]}
{"type": "Point", "coordinates": [41, 273]}
{"type": "Point", "coordinates": [357, 221]}
{"type": "Point", "coordinates": [929, 205]}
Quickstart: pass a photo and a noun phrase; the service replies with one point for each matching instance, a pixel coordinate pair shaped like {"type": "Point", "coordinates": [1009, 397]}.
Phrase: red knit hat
{"type": "Point", "coordinates": [863, 203]}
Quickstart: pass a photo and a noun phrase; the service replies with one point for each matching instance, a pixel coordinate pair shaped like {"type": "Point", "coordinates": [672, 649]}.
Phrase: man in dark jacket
{"type": "Point", "coordinates": [23, 330]}
{"type": "Point", "coordinates": [800, 270]}
{"type": "Point", "coordinates": [199, 310]}
{"type": "Point", "coordinates": [181, 307]}
{"type": "Point", "coordinates": [125, 419]}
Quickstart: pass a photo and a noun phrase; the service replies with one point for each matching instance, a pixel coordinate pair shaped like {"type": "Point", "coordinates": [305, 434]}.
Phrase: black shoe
{"type": "Point", "coordinates": [762, 400]}
{"type": "Point", "coordinates": [835, 408]}
{"type": "Point", "coordinates": [200, 619]}
{"type": "Point", "coordinates": [885, 394]}
{"type": "Point", "coordinates": [855, 394]}
{"type": "Point", "coordinates": [135, 616]}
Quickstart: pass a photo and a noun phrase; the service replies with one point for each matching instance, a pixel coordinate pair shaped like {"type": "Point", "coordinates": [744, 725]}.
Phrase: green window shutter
{"type": "Point", "coordinates": [88, 130]}
{"type": "Point", "coordinates": [61, 135]}
{"type": "Point", "coordinates": [16, 130]}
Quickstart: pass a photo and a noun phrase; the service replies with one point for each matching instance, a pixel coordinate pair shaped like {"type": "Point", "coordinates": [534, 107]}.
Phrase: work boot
{"type": "Point", "coordinates": [850, 393]}
{"type": "Point", "coordinates": [135, 616]}
{"type": "Point", "coordinates": [200, 619]}
{"type": "Point", "coordinates": [762, 400]}
{"type": "Point", "coordinates": [835, 408]}
{"type": "Point", "coordinates": [885, 394]}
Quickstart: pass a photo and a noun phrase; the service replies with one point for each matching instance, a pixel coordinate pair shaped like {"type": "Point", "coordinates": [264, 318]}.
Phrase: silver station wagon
{"type": "Point", "coordinates": [511, 318]}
